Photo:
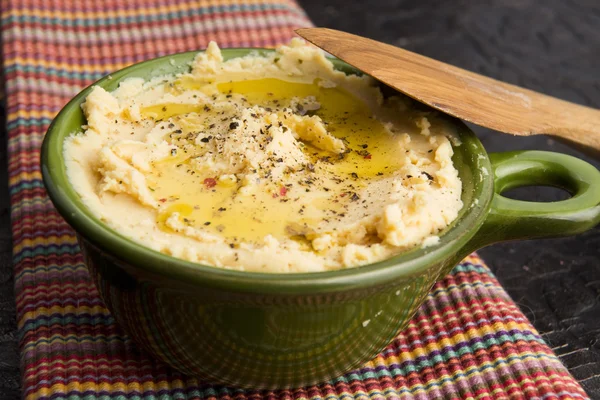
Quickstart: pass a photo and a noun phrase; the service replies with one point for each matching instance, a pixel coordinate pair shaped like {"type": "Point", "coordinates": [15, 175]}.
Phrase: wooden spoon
{"type": "Point", "coordinates": [463, 94]}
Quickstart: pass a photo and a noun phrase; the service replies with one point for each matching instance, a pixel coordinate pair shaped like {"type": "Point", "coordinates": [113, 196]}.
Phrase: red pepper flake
{"type": "Point", "coordinates": [162, 200]}
{"type": "Point", "coordinates": [210, 182]}
{"type": "Point", "coordinates": [343, 194]}
{"type": "Point", "coordinates": [274, 195]}
{"type": "Point", "coordinates": [368, 157]}
{"type": "Point", "coordinates": [282, 191]}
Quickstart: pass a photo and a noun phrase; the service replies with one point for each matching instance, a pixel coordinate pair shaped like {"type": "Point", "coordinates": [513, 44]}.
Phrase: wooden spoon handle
{"type": "Point", "coordinates": [576, 125]}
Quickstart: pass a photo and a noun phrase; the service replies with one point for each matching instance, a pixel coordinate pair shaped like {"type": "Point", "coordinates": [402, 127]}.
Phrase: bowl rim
{"type": "Point", "coordinates": [129, 253]}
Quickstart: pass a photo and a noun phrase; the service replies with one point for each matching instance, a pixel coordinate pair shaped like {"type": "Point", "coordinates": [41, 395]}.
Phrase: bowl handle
{"type": "Point", "coordinates": [510, 219]}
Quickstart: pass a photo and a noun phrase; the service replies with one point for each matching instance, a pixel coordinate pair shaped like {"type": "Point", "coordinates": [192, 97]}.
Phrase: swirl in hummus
{"type": "Point", "coordinates": [270, 162]}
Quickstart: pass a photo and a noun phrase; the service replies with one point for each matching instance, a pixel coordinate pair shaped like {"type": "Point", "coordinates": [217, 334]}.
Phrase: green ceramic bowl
{"type": "Point", "coordinates": [259, 330]}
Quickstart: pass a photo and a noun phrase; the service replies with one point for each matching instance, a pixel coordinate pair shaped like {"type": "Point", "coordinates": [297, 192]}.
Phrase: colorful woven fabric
{"type": "Point", "coordinates": [469, 340]}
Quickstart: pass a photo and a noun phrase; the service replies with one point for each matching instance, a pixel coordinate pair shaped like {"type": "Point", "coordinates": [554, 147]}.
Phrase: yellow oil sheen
{"type": "Point", "coordinates": [375, 153]}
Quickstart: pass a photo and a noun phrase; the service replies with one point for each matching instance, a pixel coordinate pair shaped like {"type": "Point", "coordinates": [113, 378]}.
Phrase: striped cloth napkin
{"type": "Point", "coordinates": [468, 341]}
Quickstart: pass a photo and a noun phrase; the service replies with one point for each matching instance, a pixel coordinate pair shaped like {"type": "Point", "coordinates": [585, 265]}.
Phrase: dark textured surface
{"type": "Point", "coordinates": [9, 358]}
{"type": "Point", "coordinates": [548, 45]}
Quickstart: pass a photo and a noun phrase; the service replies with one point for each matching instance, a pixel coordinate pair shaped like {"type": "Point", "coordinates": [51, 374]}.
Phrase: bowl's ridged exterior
{"type": "Point", "coordinates": [250, 340]}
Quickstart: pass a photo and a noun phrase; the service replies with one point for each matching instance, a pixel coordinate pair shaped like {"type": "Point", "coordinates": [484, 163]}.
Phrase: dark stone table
{"type": "Point", "coordinates": [548, 45]}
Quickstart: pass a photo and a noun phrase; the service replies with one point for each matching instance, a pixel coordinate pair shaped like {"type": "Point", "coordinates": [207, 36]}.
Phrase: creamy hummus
{"type": "Point", "coordinates": [272, 163]}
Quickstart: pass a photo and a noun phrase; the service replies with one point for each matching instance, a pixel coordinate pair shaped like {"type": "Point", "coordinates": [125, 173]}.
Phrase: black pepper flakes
{"type": "Point", "coordinates": [207, 223]}
{"type": "Point", "coordinates": [427, 175]}
{"type": "Point", "coordinates": [363, 153]}
{"type": "Point", "coordinates": [233, 125]}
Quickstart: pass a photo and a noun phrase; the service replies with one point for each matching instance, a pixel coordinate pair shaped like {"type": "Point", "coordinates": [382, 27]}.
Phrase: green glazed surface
{"type": "Point", "coordinates": [260, 330]}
